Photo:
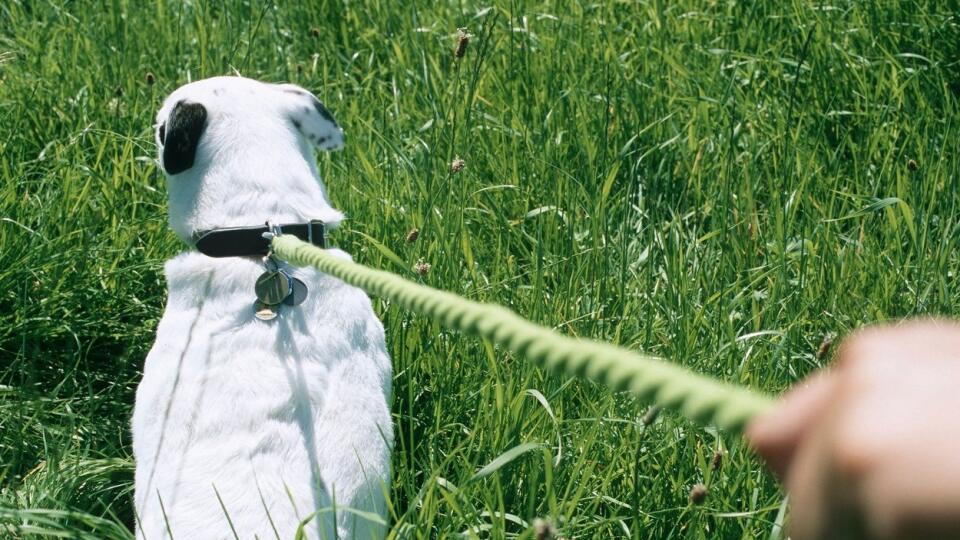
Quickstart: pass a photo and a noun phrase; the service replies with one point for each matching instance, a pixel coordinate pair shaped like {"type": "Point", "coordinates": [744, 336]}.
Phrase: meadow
{"type": "Point", "coordinates": [730, 185]}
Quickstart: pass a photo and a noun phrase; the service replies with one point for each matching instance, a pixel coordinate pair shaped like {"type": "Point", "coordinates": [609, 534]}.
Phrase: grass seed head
{"type": "Point", "coordinates": [717, 460]}
{"type": "Point", "coordinates": [463, 39]}
{"type": "Point", "coordinates": [422, 267]}
{"type": "Point", "coordinates": [457, 164]}
{"type": "Point", "coordinates": [651, 415]}
{"type": "Point", "coordinates": [543, 529]}
{"type": "Point", "coordinates": [912, 164]}
{"type": "Point", "coordinates": [412, 236]}
{"type": "Point", "coordinates": [698, 494]}
{"type": "Point", "coordinates": [824, 349]}
{"type": "Point", "coordinates": [150, 78]}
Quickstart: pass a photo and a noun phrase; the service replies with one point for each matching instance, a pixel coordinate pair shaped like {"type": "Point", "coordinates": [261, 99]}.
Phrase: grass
{"type": "Point", "coordinates": [723, 184]}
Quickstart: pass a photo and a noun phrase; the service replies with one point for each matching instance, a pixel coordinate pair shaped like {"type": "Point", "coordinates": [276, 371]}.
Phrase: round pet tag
{"type": "Point", "coordinates": [272, 288]}
{"type": "Point", "coordinates": [298, 293]}
{"type": "Point", "coordinates": [264, 312]}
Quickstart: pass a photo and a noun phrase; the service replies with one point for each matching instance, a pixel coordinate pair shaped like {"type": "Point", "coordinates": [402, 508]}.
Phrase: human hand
{"type": "Point", "coordinates": [870, 449]}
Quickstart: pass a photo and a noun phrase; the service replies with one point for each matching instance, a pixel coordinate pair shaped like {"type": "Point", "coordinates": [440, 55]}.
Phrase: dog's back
{"type": "Point", "coordinates": [258, 425]}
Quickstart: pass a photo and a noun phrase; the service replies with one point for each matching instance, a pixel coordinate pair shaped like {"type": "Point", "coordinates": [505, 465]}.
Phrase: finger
{"type": "Point", "coordinates": [823, 505]}
{"type": "Point", "coordinates": [777, 435]}
{"type": "Point", "coordinates": [804, 482]}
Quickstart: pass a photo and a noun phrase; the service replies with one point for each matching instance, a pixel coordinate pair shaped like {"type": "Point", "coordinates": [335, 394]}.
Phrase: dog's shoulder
{"type": "Point", "coordinates": [194, 275]}
{"type": "Point", "coordinates": [184, 264]}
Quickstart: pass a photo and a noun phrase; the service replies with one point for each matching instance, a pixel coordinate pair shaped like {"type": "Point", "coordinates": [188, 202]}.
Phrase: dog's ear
{"type": "Point", "coordinates": [311, 118]}
{"type": "Point", "coordinates": [180, 135]}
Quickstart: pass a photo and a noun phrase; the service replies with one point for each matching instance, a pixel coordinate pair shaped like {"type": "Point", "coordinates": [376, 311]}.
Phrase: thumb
{"type": "Point", "coordinates": [777, 434]}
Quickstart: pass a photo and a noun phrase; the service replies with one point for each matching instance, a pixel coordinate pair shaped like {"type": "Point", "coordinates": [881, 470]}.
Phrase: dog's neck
{"type": "Point", "coordinates": [248, 190]}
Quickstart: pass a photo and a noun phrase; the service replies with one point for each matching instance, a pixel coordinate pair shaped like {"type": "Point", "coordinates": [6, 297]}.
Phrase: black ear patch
{"type": "Point", "coordinates": [184, 127]}
{"type": "Point", "coordinates": [311, 119]}
{"type": "Point", "coordinates": [317, 104]}
{"type": "Point", "coordinates": [323, 111]}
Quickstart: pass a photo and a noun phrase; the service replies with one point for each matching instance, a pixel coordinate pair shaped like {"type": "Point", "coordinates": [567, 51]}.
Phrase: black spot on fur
{"type": "Point", "coordinates": [217, 91]}
{"type": "Point", "coordinates": [323, 111]}
{"type": "Point", "coordinates": [296, 123]}
{"type": "Point", "coordinates": [294, 91]}
{"type": "Point", "coordinates": [163, 132]}
{"type": "Point", "coordinates": [185, 126]}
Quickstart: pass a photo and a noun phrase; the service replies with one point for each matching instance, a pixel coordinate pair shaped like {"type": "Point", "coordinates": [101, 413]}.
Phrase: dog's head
{"type": "Point", "coordinates": [238, 152]}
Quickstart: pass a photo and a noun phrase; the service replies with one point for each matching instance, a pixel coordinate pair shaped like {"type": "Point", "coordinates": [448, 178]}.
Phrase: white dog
{"type": "Point", "coordinates": [248, 426]}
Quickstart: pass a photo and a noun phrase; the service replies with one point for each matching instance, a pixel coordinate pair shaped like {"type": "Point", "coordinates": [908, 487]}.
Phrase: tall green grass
{"type": "Point", "coordinates": [720, 183]}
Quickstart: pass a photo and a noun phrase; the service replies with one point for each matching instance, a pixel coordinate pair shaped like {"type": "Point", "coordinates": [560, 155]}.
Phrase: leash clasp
{"type": "Point", "coordinates": [275, 230]}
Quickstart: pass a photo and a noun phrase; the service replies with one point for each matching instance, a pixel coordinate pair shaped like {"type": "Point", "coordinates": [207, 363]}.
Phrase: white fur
{"type": "Point", "coordinates": [276, 419]}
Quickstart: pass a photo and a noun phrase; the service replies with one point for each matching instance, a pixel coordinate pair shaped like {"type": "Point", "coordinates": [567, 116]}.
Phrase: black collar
{"type": "Point", "coordinates": [250, 242]}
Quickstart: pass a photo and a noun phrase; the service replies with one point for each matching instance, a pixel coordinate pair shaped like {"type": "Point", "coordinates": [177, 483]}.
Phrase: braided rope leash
{"type": "Point", "coordinates": [698, 397]}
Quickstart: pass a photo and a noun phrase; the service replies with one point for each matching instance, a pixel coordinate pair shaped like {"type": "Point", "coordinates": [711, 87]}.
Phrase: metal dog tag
{"type": "Point", "coordinates": [264, 312]}
{"type": "Point", "coordinates": [298, 293]}
{"type": "Point", "coordinates": [272, 288]}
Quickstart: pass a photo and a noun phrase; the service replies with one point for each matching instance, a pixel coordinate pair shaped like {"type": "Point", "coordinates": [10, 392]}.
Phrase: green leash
{"type": "Point", "coordinates": [698, 397]}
